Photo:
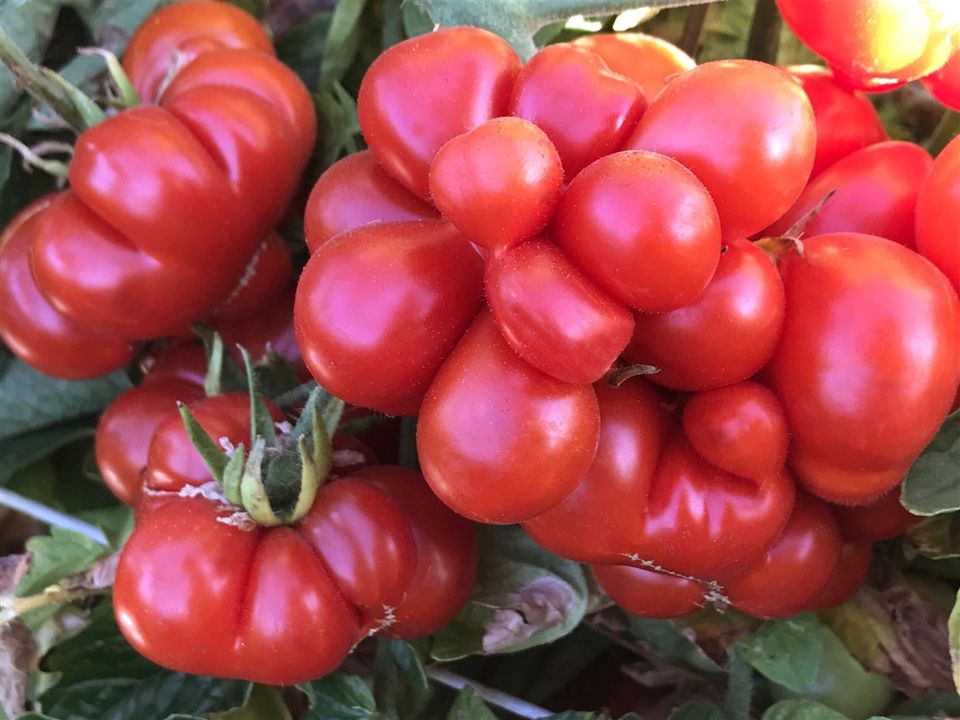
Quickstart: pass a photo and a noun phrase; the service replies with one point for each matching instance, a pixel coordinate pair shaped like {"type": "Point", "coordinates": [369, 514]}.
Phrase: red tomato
{"type": "Point", "coordinates": [499, 183]}
{"type": "Point", "coordinates": [876, 44]}
{"type": "Point", "coordinates": [649, 61]}
{"type": "Point", "coordinates": [379, 308]}
{"type": "Point", "coordinates": [796, 568]}
{"type": "Point", "coordinates": [846, 120]}
{"type": "Point", "coordinates": [266, 277]}
{"type": "Point", "coordinates": [271, 326]}
{"type": "Point", "coordinates": [498, 440]}
{"type": "Point", "coordinates": [34, 330]}
{"type": "Point", "coordinates": [876, 194]}
{"type": "Point", "coordinates": [586, 110]}
{"type": "Point", "coordinates": [724, 336]}
{"type": "Point", "coordinates": [356, 191]}
{"type": "Point", "coordinates": [762, 138]}
{"type": "Point", "coordinates": [851, 572]}
{"type": "Point", "coordinates": [944, 84]}
{"type": "Point", "coordinates": [554, 317]}
{"type": "Point", "coordinates": [643, 228]}
{"type": "Point", "coordinates": [884, 518]}
{"type": "Point", "coordinates": [739, 428]}
{"type": "Point", "coordinates": [938, 232]}
{"type": "Point", "coordinates": [424, 91]}
{"type": "Point", "coordinates": [866, 367]}
{"type": "Point", "coordinates": [648, 593]}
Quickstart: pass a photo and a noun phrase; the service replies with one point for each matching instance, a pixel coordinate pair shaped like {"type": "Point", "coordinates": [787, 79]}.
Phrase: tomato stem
{"type": "Point", "coordinates": [32, 157]}
{"type": "Point", "coordinates": [128, 94]}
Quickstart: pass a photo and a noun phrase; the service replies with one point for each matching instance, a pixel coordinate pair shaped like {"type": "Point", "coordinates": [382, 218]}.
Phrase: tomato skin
{"type": "Point", "coordinates": [875, 44]}
{"type": "Point", "coordinates": [739, 428]}
{"type": "Point", "coordinates": [456, 77]}
{"type": "Point", "coordinates": [660, 249]}
{"type": "Point", "coordinates": [32, 328]}
{"type": "Point", "coordinates": [379, 308]}
{"type": "Point", "coordinates": [938, 237]}
{"type": "Point", "coordinates": [498, 440]}
{"type": "Point", "coordinates": [648, 593]}
{"type": "Point", "coordinates": [264, 279]}
{"type": "Point", "coordinates": [554, 317]}
{"type": "Point", "coordinates": [498, 183]}
{"type": "Point", "coordinates": [881, 519]}
{"type": "Point", "coordinates": [876, 194]}
{"type": "Point", "coordinates": [860, 401]}
{"type": "Point", "coordinates": [649, 61]}
{"type": "Point", "coordinates": [725, 335]}
{"type": "Point", "coordinates": [187, 29]}
{"type": "Point", "coordinates": [586, 110]}
{"type": "Point", "coordinates": [599, 521]}
{"type": "Point", "coordinates": [944, 84]}
{"type": "Point", "coordinates": [762, 135]}
{"type": "Point", "coordinates": [851, 572]}
{"type": "Point", "coordinates": [355, 191]}
{"type": "Point", "coordinates": [796, 568]}
{"type": "Point", "coordinates": [846, 120]}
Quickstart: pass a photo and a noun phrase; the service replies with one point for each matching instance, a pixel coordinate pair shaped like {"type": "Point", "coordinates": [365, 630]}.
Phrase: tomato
{"type": "Point", "coordinates": [32, 328]}
{"type": "Point", "coordinates": [270, 326]}
{"type": "Point", "coordinates": [722, 337]}
{"type": "Point", "coordinates": [649, 61]}
{"type": "Point", "coordinates": [424, 91]}
{"type": "Point", "coordinates": [866, 367]}
{"type": "Point", "coordinates": [642, 227]}
{"type": "Point", "coordinates": [846, 120]}
{"type": "Point", "coordinates": [266, 277]}
{"type": "Point", "coordinates": [379, 308]}
{"type": "Point", "coordinates": [753, 149]}
{"type": "Point", "coordinates": [852, 569]}
{"type": "Point", "coordinates": [875, 193]}
{"type": "Point", "coordinates": [499, 183]}
{"type": "Point", "coordinates": [554, 317]}
{"type": "Point", "coordinates": [876, 44]}
{"type": "Point", "coordinates": [739, 428]}
{"type": "Point", "coordinates": [944, 84]}
{"type": "Point", "coordinates": [586, 110]}
{"type": "Point", "coordinates": [498, 440]}
{"type": "Point", "coordinates": [796, 568]}
{"type": "Point", "coordinates": [200, 588]}
{"type": "Point", "coordinates": [649, 593]}
{"type": "Point", "coordinates": [938, 236]}
{"type": "Point", "coordinates": [355, 191]}
{"type": "Point", "coordinates": [883, 518]}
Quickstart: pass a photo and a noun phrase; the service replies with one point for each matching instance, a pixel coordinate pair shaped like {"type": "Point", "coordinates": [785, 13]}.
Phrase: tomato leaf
{"type": "Point", "coordinates": [517, 21]}
{"type": "Point", "coordinates": [400, 686]}
{"type": "Point", "coordinates": [931, 486]}
{"type": "Point", "coordinates": [786, 651]}
{"type": "Point", "coordinates": [32, 25]}
{"type": "Point", "coordinates": [736, 704]}
{"type": "Point", "coordinates": [55, 556]}
{"type": "Point", "coordinates": [339, 697]}
{"type": "Point", "coordinates": [801, 710]}
{"type": "Point", "coordinates": [672, 644]}
{"type": "Point", "coordinates": [342, 42]}
{"type": "Point", "coordinates": [937, 537]}
{"type": "Point", "coordinates": [525, 597]}
{"type": "Point", "coordinates": [263, 703]}
{"type": "Point", "coordinates": [697, 711]}
{"type": "Point", "coordinates": [17, 453]}
{"type": "Point", "coordinates": [468, 706]}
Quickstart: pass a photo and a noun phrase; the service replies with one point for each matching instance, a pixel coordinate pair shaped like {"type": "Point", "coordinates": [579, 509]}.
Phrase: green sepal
{"type": "Point", "coordinates": [253, 493]}
{"type": "Point", "coordinates": [223, 375]}
{"type": "Point", "coordinates": [233, 475]}
{"type": "Point", "coordinates": [128, 94]}
{"type": "Point", "coordinates": [211, 453]}
{"type": "Point", "coordinates": [261, 422]}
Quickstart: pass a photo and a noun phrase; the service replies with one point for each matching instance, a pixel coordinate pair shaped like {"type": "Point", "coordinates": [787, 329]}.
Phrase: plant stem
{"type": "Point", "coordinates": [48, 515]}
{"type": "Point", "coordinates": [520, 708]}
{"type": "Point", "coordinates": [764, 39]}
{"type": "Point", "coordinates": [946, 130]}
{"type": "Point", "coordinates": [690, 40]}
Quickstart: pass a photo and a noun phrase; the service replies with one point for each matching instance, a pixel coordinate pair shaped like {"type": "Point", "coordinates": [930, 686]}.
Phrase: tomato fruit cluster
{"type": "Point", "coordinates": [159, 194]}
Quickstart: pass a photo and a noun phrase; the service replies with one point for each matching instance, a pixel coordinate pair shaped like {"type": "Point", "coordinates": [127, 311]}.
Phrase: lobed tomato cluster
{"type": "Point", "coordinates": [516, 233]}
{"type": "Point", "coordinates": [160, 194]}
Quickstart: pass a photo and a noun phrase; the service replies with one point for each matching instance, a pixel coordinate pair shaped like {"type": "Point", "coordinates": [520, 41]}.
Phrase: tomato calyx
{"type": "Point", "coordinates": [127, 96]}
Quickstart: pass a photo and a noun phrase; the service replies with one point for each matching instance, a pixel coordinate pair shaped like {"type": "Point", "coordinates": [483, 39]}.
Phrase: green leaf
{"type": "Point", "coordinates": [937, 537]}
{"type": "Point", "coordinates": [342, 42]}
{"type": "Point", "coordinates": [517, 21]}
{"type": "Point", "coordinates": [697, 711]}
{"type": "Point", "coordinates": [55, 556]}
{"type": "Point", "coordinates": [339, 697]}
{"type": "Point", "coordinates": [298, 47]}
{"type": "Point", "coordinates": [103, 678]}
{"type": "Point", "coordinates": [671, 644]}
{"type": "Point", "coordinates": [526, 596]}
{"type": "Point", "coordinates": [931, 486]}
{"type": "Point", "coordinates": [953, 630]}
{"type": "Point", "coordinates": [31, 25]}
{"type": "Point", "coordinates": [786, 651]}
{"type": "Point", "coordinates": [468, 706]}
{"type": "Point", "coordinates": [263, 703]}
{"type": "Point", "coordinates": [20, 452]}
{"type": "Point", "coordinates": [801, 710]}
{"type": "Point", "coordinates": [401, 687]}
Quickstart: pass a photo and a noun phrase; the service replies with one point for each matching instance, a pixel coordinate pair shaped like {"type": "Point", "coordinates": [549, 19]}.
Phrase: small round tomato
{"type": "Point", "coordinates": [875, 192]}
{"type": "Point", "coordinates": [866, 368]}
{"type": "Point", "coordinates": [379, 308]}
{"type": "Point", "coordinates": [725, 335]}
{"type": "Point", "coordinates": [846, 120]}
{"type": "Point", "coordinates": [938, 234]}
{"type": "Point", "coordinates": [355, 191]}
{"type": "Point", "coordinates": [745, 129]}
{"type": "Point", "coordinates": [499, 183]}
{"type": "Point", "coordinates": [944, 84]}
{"type": "Point", "coordinates": [648, 593]}
{"type": "Point", "coordinates": [554, 317]}
{"type": "Point", "coordinates": [649, 61]}
{"type": "Point", "coordinates": [586, 110]}
{"type": "Point", "coordinates": [498, 440]}
{"type": "Point", "coordinates": [642, 227]}
{"type": "Point", "coordinates": [424, 91]}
